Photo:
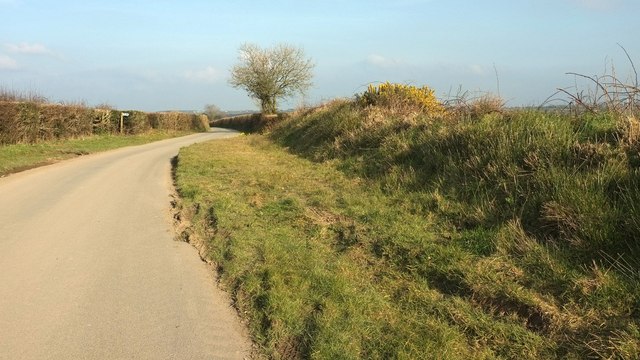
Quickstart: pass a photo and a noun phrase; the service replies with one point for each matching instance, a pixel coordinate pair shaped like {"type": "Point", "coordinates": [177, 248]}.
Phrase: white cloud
{"type": "Point", "coordinates": [477, 70]}
{"type": "Point", "coordinates": [28, 49]}
{"type": "Point", "coordinates": [206, 75]}
{"type": "Point", "coordinates": [381, 61]}
{"type": "Point", "coordinates": [7, 63]}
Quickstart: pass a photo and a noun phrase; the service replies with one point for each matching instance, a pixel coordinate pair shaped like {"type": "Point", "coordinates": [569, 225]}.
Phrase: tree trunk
{"type": "Point", "coordinates": [268, 106]}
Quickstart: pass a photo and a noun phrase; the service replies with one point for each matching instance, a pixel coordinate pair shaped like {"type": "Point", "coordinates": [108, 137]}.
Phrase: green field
{"type": "Point", "coordinates": [351, 231]}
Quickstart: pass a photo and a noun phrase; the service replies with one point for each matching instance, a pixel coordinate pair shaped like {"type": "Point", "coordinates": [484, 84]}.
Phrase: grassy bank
{"type": "Point", "coordinates": [354, 231]}
{"type": "Point", "coordinates": [18, 157]}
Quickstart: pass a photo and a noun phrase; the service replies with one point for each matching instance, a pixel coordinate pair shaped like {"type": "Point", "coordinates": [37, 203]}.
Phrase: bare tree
{"type": "Point", "coordinates": [213, 112]}
{"type": "Point", "coordinates": [272, 73]}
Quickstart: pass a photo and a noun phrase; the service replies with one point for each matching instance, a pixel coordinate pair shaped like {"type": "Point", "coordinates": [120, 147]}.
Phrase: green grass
{"type": "Point", "coordinates": [291, 240]}
{"type": "Point", "coordinates": [14, 158]}
{"type": "Point", "coordinates": [350, 233]}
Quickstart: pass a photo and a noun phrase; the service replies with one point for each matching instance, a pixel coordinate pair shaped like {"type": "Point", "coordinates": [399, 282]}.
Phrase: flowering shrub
{"type": "Point", "coordinates": [401, 97]}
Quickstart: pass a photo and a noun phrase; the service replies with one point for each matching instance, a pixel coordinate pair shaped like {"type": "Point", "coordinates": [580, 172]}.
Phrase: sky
{"type": "Point", "coordinates": [177, 55]}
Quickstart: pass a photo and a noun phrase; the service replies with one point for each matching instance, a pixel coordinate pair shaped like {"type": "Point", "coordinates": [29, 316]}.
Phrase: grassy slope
{"type": "Point", "coordinates": [14, 158]}
{"type": "Point", "coordinates": [502, 236]}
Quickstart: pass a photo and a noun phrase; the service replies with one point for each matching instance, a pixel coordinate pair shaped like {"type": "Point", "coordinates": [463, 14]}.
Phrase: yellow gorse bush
{"type": "Point", "coordinates": [402, 97]}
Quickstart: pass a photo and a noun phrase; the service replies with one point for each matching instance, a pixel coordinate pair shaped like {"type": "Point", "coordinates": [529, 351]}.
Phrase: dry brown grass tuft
{"type": "Point", "coordinates": [305, 110]}
{"type": "Point", "coordinates": [474, 108]}
{"type": "Point", "coordinates": [631, 131]}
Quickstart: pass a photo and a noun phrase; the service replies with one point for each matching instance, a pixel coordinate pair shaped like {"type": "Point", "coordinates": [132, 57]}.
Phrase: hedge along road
{"type": "Point", "coordinates": [89, 268]}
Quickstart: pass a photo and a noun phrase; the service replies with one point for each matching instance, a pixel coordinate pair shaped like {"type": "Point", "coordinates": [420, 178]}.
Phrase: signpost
{"type": "Point", "coordinates": [122, 116]}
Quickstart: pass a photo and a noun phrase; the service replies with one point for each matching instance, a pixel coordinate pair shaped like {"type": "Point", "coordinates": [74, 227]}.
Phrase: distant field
{"type": "Point", "coordinates": [369, 231]}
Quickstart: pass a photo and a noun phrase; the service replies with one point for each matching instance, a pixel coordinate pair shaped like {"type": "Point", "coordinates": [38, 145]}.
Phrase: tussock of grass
{"type": "Point", "coordinates": [493, 234]}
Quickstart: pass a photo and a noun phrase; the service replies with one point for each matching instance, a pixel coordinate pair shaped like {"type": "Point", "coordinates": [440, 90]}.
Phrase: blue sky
{"type": "Point", "coordinates": [160, 55]}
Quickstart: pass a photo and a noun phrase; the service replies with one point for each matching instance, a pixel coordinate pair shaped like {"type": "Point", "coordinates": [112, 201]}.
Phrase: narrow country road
{"type": "Point", "coordinates": [89, 268]}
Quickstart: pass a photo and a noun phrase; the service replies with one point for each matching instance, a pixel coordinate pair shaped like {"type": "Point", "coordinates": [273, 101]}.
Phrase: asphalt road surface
{"type": "Point", "coordinates": [89, 268]}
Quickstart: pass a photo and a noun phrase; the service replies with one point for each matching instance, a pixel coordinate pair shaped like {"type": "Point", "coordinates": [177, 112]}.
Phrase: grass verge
{"type": "Point", "coordinates": [19, 157]}
{"type": "Point", "coordinates": [494, 236]}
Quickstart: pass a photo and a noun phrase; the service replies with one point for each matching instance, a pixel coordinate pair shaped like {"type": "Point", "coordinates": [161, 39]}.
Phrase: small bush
{"type": "Point", "coordinates": [402, 98]}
